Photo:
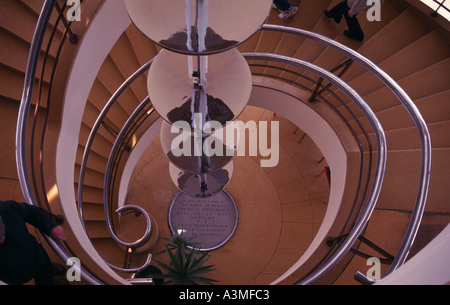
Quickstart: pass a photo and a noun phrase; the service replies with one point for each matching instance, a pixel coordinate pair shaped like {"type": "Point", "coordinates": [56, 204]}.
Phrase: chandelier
{"type": "Point", "coordinates": [199, 83]}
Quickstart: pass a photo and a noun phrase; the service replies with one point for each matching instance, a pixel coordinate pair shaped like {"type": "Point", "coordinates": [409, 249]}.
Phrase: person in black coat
{"type": "Point", "coordinates": [22, 258]}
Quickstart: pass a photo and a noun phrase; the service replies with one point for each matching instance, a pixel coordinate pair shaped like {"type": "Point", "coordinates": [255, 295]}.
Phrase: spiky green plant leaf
{"type": "Point", "coordinates": [186, 263]}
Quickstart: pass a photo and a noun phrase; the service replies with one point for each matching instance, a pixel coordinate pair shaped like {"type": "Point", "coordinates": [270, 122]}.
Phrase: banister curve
{"type": "Point", "coordinates": [381, 140]}
{"type": "Point", "coordinates": [106, 197]}
{"type": "Point", "coordinates": [416, 116]}
{"type": "Point", "coordinates": [89, 142]}
{"type": "Point", "coordinates": [381, 159]}
{"type": "Point", "coordinates": [24, 109]}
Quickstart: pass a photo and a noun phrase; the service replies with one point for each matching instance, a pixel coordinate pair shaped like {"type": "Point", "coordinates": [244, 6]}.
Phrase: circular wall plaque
{"type": "Point", "coordinates": [211, 220]}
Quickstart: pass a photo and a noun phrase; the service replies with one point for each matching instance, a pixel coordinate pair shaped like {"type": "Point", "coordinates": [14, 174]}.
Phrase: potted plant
{"type": "Point", "coordinates": [186, 262]}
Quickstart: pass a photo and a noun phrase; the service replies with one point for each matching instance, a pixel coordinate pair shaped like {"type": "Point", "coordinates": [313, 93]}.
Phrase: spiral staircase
{"type": "Point", "coordinates": [410, 46]}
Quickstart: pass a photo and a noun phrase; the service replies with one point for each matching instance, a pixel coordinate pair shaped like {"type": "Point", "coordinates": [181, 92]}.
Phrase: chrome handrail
{"type": "Point", "coordinates": [121, 135]}
{"type": "Point", "coordinates": [388, 81]}
{"type": "Point", "coordinates": [416, 116]}
{"type": "Point", "coordinates": [36, 111]}
{"type": "Point", "coordinates": [340, 114]}
{"type": "Point", "coordinates": [24, 109]}
{"type": "Point", "coordinates": [147, 235]}
{"type": "Point", "coordinates": [95, 128]}
{"type": "Point", "coordinates": [360, 225]}
{"type": "Point", "coordinates": [106, 186]}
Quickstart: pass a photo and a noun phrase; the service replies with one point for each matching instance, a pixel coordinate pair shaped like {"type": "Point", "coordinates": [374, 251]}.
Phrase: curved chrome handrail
{"type": "Point", "coordinates": [346, 227]}
{"type": "Point", "coordinates": [36, 110]}
{"type": "Point", "coordinates": [97, 125]}
{"type": "Point", "coordinates": [106, 186]}
{"type": "Point", "coordinates": [417, 118]}
{"type": "Point", "coordinates": [141, 106]}
{"type": "Point", "coordinates": [389, 82]}
{"type": "Point", "coordinates": [345, 246]}
{"type": "Point", "coordinates": [24, 110]}
{"type": "Point", "coordinates": [147, 235]}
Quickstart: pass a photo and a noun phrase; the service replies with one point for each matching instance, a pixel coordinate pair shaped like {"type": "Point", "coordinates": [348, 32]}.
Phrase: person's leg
{"type": "Point", "coordinates": [354, 28]}
{"type": "Point", "coordinates": [337, 11]}
{"type": "Point", "coordinates": [282, 5]}
{"type": "Point", "coordinates": [286, 9]}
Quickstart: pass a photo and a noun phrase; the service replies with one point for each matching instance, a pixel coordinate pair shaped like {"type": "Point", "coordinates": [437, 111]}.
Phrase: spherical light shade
{"type": "Point", "coordinates": [198, 26]}
{"type": "Point", "coordinates": [197, 153]}
{"type": "Point", "coordinates": [216, 86]}
{"type": "Point", "coordinates": [201, 185]}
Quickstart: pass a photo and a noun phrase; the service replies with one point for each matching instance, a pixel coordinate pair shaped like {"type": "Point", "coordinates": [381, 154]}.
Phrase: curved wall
{"type": "Point", "coordinates": [93, 49]}
{"type": "Point", "coordinates": [326, 140]}
{"type": "Point", "coordinates": [309, 121]}
{"type": "Point", "coordinates": [112, 18]}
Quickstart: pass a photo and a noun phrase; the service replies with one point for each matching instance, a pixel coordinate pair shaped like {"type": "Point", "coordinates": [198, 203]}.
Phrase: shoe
{"type": "Point", "coordinates": [275, 7]}
{"type": "Point", "coordinates": [350, 35]}
{"type": "Point", "coordinates": [290, 12]}
{"type": "Point", "coordinates": [336, 19]}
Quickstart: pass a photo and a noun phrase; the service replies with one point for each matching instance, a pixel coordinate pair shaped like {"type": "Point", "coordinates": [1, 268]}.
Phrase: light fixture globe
{"type": "Point", "coordinates": [198, 27]}
{"type": "Point", "coordinates": [201, 185]}
{"type": "Point", "coordinates": [196, 152]}
{"type": "Point", "coordinates": [216, 86]}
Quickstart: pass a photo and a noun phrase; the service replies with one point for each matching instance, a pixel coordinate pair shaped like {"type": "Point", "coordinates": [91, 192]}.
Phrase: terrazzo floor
{"type": "Point", "coordinates": [279, 208]}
